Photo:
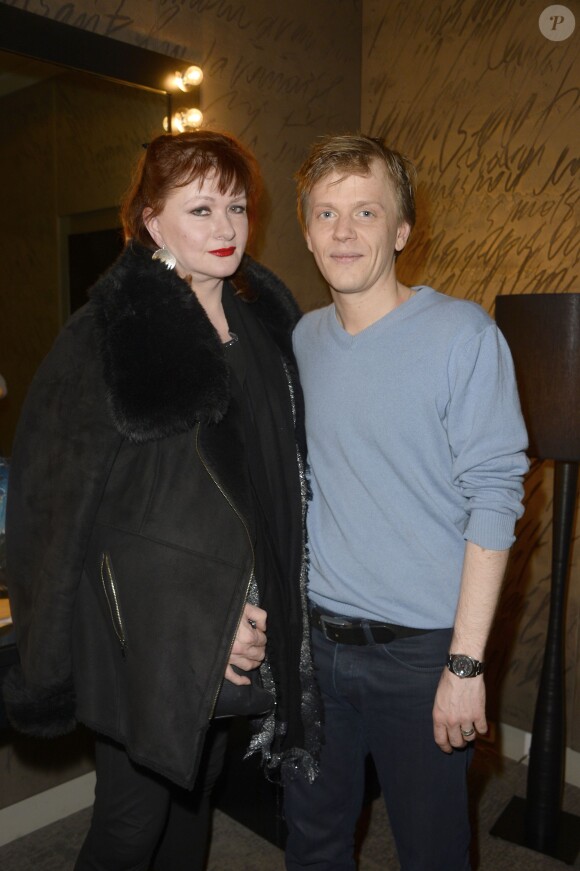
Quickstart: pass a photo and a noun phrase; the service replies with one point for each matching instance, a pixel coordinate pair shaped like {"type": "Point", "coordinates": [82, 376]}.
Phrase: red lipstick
{"type": "Point", "coordinates": [223, 252]}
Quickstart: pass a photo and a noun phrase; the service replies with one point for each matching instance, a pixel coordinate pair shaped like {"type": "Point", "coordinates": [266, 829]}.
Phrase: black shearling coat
{"type": "Point", "coordinates": [129, 539]}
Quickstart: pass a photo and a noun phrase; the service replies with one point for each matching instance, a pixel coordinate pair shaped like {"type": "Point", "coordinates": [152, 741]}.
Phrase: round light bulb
{"type": "Point", "coordinates": [188, 119]}
{"type": "Point", "coordinates": [193, 118]}
{"type": "Point", "coordinates": [189, 78]}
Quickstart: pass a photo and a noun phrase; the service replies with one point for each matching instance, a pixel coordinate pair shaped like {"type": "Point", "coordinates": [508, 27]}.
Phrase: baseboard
{"type": "Point", "coordinates": [515, 744]}
{"type": "Point", "coordinates": [46, 807]}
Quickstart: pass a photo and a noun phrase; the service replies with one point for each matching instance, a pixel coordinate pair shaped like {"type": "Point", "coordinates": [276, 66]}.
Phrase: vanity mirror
{"type": "Point", "coordinates": [75, 111]}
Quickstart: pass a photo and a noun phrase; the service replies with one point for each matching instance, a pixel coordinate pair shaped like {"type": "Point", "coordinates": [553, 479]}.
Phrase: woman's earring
{"type": "Point", "coordinates": [165, 256]}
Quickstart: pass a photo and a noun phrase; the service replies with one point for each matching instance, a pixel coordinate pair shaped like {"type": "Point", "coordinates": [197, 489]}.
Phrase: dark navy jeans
{"type": "Point", "coordinates": [378, 699]}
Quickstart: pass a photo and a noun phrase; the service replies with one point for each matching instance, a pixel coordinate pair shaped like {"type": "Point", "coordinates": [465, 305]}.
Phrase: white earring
{"type": "Point", "coordinates": [165, 256]}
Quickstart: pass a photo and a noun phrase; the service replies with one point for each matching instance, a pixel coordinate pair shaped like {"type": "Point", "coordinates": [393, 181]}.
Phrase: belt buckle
{"type": "Point", "coordinates": [330, 625]}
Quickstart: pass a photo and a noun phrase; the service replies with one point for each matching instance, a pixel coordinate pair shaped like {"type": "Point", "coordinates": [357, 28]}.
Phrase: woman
{"type": "Point", "coordinates": [155, 516]}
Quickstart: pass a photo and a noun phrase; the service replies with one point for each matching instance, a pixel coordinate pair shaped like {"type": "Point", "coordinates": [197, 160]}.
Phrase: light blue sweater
{"type": "Point", "coordinates": [416, 442]}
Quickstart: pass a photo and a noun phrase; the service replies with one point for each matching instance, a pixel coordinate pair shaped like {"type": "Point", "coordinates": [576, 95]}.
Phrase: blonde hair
{"type": "Point", "coordinates": [353, 154]}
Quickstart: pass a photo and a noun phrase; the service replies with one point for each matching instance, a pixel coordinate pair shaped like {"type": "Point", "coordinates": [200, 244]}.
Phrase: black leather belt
{"type": "Point", "coordinates": [351, 630]}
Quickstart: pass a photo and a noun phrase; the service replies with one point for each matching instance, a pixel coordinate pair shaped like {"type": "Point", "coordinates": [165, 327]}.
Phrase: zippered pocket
{"type": "Point", "coordinates": [112, 597]}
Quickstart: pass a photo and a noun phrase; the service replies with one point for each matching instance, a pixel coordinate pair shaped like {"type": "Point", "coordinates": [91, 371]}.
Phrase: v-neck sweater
{"type": "Point", "coordinates": [416, 443]}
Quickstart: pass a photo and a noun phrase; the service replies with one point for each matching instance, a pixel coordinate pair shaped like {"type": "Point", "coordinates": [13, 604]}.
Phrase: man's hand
{"type": "Point", "coordinates": [249, 647]}
{"type": "Point", "coordinates": [459, 704]}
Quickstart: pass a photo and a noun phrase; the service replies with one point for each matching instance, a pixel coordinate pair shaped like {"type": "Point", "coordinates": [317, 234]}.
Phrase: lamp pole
{"type": "Point", "coordinates": [543, 332]}
{"type": "Point", "coordinates": [546, 765]}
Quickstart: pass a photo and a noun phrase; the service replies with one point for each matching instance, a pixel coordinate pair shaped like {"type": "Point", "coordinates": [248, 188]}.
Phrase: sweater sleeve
{"type": "Point", "coordinates": [64, 448]}
{"type": "Point", "coordinates": [487, 437]}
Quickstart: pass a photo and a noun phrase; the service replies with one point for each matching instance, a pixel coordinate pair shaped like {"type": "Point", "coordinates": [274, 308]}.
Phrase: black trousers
{"type": "Point", "coordinates": [143, 822]}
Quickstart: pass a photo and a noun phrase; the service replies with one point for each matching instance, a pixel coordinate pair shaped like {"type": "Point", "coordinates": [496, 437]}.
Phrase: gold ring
{"type": "Point", "coordinates": [468, 733]}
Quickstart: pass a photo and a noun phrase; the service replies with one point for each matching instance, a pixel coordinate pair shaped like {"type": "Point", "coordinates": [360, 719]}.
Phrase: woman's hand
{"type": "Point", "coordinates": [249, 647]}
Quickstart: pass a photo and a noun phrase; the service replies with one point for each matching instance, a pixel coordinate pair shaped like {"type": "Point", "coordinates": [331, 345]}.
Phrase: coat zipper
{"type": "Point", "coordinates": [245, 525]}
{"type": "Point", "coordinates": [108, 582]}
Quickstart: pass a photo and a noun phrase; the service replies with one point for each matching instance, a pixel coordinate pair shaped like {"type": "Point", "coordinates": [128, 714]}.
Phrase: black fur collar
{"type": "Point", "coordinates": [164, 364]}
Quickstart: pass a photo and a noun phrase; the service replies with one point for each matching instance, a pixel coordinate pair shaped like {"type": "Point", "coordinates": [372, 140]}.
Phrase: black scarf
{"type": "Point", "coordinates": [272, 462]}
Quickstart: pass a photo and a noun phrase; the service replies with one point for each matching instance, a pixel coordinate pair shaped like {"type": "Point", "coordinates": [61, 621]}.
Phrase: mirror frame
{"type": "Point", "coordinates": [48, 40]}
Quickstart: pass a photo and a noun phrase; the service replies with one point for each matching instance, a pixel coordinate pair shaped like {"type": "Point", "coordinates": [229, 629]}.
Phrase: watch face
{"type": "Point", "coordinates": [462, 666]}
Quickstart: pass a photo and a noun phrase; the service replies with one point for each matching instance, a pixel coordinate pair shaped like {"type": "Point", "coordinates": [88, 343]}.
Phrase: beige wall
{"type": "Point", "coordinates": [488, 108]}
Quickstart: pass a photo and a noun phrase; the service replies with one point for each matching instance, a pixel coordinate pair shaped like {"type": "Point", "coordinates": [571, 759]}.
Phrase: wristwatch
{"type": "Point", "coordinates": [462, 665]}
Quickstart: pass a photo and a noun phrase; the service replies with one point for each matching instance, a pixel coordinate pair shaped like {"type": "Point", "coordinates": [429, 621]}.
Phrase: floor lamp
{"type": "Point", "coordinates": [543, 332]}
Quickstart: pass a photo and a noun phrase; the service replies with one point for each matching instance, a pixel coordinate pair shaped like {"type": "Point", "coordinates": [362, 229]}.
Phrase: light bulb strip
{"type": "Point", "coordinates": [184, 119]}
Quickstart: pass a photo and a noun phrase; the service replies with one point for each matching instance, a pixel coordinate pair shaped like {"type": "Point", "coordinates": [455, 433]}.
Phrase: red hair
{"type": "Point", "coordinates": [172, 161]}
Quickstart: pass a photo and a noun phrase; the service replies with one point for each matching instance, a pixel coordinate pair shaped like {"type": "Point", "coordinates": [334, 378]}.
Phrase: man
{"type": "Point", "coordinates": [416, 452]}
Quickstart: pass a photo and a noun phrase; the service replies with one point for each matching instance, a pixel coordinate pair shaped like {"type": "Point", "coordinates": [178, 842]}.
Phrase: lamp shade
{"type": "Point", "coordinates": [543, 332]}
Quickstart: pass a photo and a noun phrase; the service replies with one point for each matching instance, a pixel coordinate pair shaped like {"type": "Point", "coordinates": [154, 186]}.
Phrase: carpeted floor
{"type": "Point", "coordinates": [235, 848]}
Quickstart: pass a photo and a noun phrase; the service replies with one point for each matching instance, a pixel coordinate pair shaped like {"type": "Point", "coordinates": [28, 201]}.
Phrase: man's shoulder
{"type": "Point", "coordinates": [456, 312]}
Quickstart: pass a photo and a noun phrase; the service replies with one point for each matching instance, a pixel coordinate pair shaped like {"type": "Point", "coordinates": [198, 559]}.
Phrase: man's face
{"type": "Point", "coordinates": [353, 230]}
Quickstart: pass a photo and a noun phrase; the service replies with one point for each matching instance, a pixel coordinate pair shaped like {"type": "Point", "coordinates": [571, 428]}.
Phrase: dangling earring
{"type": "Point", "coordinates": [165, 256]}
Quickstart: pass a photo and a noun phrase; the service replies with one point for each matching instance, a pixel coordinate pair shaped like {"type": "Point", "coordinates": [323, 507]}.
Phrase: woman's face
{"type": "Point", "coordinates": [206, 231]}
